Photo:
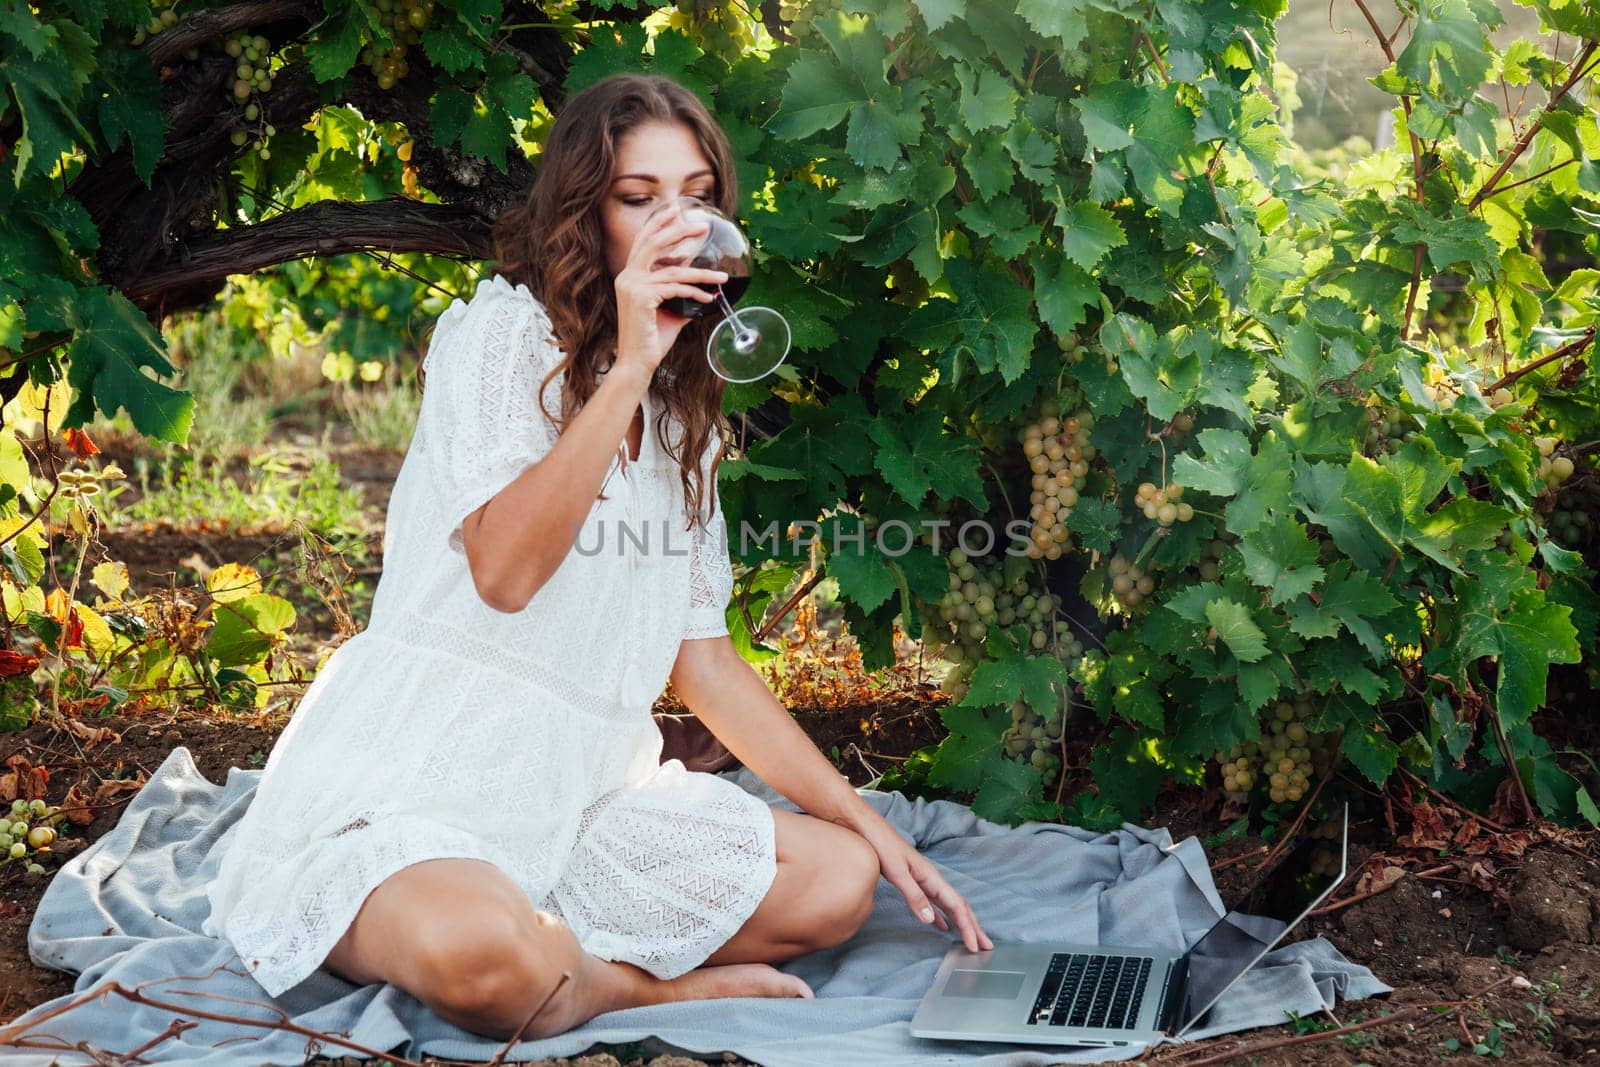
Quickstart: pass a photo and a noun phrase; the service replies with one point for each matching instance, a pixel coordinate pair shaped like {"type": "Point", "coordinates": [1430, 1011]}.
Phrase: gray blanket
{"type": "Point", "coordinates": [129, 908]}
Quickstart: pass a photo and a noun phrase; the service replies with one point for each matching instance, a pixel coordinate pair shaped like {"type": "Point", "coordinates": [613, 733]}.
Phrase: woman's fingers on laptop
{"type": "Point", "coordinates": [909, 871]}
{"type": "Point", "coordinates": [953, 903]}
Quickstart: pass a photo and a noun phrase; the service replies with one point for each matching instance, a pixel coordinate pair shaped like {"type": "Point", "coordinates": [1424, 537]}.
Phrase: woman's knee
{"type": "Point", "coordinates": [497, 962]}
{"type": "Point", "coordinates": [844, 876]}
{"type": "Point", "coordinates": [858, 874]}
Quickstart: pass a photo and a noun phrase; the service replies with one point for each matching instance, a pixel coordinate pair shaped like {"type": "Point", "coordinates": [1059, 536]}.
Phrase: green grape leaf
{"type": "Point", "coordinates": [1088, 232]}
{"type": "Point", "coordinates": [333, 44]}
{"type": "Point", "coordinates": [450, 48]}
{"type": "Point", "coordinates": [1063, 290]}
{"type": "Point", "coordinates": [863, 572]}
{"type": "Point", "coordinates": [1447, 42]}
{"type": "Point", "coordinates": [1258, 483]}
{"type": "Point", "coordinates": [987, 99]}
{"type": "Point", "coordinates": [990, 318]}
{"type": "Point", "coordinates": [1237, 629]}
{"type": "Point", "coordinates": [1065, 19]}
{"type": "Point", "coordinates": [1280, 557]}
{"type": "Point", "coordinates": [916, 455]}
{"type": "Point", "coordinates": [963, 758]}
{"type": "Point", "coordinates": [1372, 753]}
{"type": "Point", "coordinates": [1036, 680]}
{"type": "Point", "coordinates": [1094, 523]}
{"type": "Point", "coordinates": [112, 342]}
{"type": "Point", "coordinates": [131, 109]}
{"type": "Point", "coordinates": [1008, 786]}
{"type": "Point", "coordinates": [1354, 600]}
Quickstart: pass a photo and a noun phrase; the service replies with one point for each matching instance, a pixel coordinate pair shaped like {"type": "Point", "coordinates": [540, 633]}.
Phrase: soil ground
{"type": "Point", "coordinates": [1514, 910]}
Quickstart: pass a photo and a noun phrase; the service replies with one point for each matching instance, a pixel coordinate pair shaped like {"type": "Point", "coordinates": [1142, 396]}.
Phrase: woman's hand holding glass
{"type": "Point", "coordinates": [642, 287]}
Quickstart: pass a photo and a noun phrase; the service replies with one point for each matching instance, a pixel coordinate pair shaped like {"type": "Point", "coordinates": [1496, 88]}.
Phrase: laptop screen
{"type": "Point", "coordinates": [1277, 898]}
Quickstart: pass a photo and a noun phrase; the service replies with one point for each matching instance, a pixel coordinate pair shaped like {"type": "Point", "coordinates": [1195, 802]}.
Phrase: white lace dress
{"type": "Point", "coordinates": [448, 728]}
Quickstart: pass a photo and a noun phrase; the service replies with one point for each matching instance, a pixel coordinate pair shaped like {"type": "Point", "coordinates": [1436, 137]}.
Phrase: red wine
{"type": "Point", "coordinates": [691, 308]}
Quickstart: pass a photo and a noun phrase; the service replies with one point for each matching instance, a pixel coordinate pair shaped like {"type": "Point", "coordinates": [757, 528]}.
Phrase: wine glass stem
{"type": "Point", "coordinates": [727, 307]}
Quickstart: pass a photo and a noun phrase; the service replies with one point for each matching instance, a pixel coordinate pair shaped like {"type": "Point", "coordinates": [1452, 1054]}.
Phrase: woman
{"type": "Point", "coordinates": [469, 801]}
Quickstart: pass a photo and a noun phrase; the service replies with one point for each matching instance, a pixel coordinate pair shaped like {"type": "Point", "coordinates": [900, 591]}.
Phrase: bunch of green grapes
{"type": "Point", "coordinates": [1388, 423]}
{"type": "Point", "coordinates": [1210, 565]}
{"type": "Point", "coordinates": [722, 29]}
{"type": "Point", "coordinates": [1500, 397]}
{"type": "Point", "coordinates": [263, 131]}
{"type": "Point", "coordinates": [1058, 452]}
{"type": "Point", "coordinates": [252, 55]}
{"type": "Point", "coordinates": [162, 18]}
{"type": "Point", "coordinates": [1569, 522]}
{"type": "Point", "coordinates": [1129, 584]}
{"type": "Point", "coordinates": [1164, 506]}
{"type": "Point", "coordinates": [1440, 386]}
{"type": "Point", "coordinates": [26, 830]}
{"type": "Point", "coordinates": [980, 598]}
{"type": "Point", "coordinates": [1286, 756]}
{"type": "Point", "coordinates": [405, 20]}
{"type": "Point", "coordinates": [801, 15]}
{"type": "Point", "coordinates": [1039, 738]}
{"type": "Point", "coordinates": [1325, 859]}
{"type": "Point", "coordinates": [1553, 469]}
{"type": "Point", "coordinates": [1072, 347]}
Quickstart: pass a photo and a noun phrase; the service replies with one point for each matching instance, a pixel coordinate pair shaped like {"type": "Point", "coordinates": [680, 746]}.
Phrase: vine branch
{"type": "Point", "coordinates": [328, 228]}
{"type": "Point", "coordinates": [1571, 348]}
{"type": "Point", "coordinates": [1579, 70]}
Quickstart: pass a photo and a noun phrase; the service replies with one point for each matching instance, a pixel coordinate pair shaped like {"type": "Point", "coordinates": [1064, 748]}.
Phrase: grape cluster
{"type": "Point", "coordinates": [801, 15]}
{"type": "Point", "coordinates": [1387, 425]}
{"type": "Point", "coordinates": [162, 18]}
{"type": "Point", "coordinates": [253, 56]}
{"type": "Point", "coordinates": [1164, 506]}
{"type": "Point", "coordinates": [1284, 757]}
{"type": "Point", "coordinates": [1440, 387]}
{"type": "Point", "coordinates": [1569, 522]}
{"type": "Point", "coordinates": [405, 20]}
{"type": "Point", "coordinates": [723, 29]}
{"type": "Point", "coordinates": [980, 598]}
{"type": "Point", "coordinates": [1325, 859]}
{"type": "Point", "coordinates": [17, 836]}
{"type": "Point", "coordinates": [1058, 452]}
{"type": "Point", "coordinates": [1129, 584]}
{"type": "Point", "coordinates": [1042, 735]}
{"type": "Point", "coordinates": [263, 131]}
{"type": "Point", "coordinates": [1500, 397]}
{"type": "Point", "coordinates": [1210, 565]}
{"type": "Point", "coordinates": [1072, 347]}
{"type": "Point", "coordinates": [1553, 469]}
{"type": "Point", "coordinates": [1073, 350]}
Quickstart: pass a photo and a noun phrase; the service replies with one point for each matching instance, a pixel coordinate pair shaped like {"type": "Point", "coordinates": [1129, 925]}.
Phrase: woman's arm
{"type": "Point", "coordinates": [517, 540]}
{"type": "Point", "coordinates": [735, 703]}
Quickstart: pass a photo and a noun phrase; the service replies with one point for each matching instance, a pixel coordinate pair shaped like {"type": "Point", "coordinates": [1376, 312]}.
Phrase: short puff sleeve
{"type": "Point", "coordinates": [485, 425]}
{"type": "Point", "coordinates": [710, 570]}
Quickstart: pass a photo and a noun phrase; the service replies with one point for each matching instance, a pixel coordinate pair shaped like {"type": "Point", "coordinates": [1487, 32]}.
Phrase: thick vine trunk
{"type": "Point", "coordinates": [161, 244]}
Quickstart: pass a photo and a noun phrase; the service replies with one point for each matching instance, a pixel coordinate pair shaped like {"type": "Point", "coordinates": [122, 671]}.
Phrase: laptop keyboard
{"type": "Point", "coordinates": [1082, 989]}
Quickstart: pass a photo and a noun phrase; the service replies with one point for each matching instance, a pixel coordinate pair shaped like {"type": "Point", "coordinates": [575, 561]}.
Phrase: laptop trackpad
{"type": "Point", "coordinates": [994, 985]}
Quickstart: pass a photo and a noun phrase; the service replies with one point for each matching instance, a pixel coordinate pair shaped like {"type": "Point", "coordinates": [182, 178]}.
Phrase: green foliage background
{"type": "Point", "coordinates": [943, 193]}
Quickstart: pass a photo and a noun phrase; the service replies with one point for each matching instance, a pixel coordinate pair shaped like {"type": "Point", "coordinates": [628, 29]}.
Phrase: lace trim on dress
{"type": "Point", "coordinates": [438, 635]}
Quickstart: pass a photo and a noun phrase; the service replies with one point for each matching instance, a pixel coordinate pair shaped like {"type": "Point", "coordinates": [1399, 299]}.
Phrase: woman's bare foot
{"type": "Point", "coordinates": [737, 980]}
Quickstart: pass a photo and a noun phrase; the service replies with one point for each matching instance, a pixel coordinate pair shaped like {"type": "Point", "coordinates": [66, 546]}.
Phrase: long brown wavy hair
{"type": "Point", "coordinates": [554, 244]}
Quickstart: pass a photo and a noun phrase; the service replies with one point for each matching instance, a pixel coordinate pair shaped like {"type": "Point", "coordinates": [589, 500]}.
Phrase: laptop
{"type": "Point", "coordinates": [1052, 993]}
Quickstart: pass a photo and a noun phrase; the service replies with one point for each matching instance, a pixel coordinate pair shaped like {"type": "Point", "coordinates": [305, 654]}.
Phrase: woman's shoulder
{"type": "Point", "coordinates": [498, 294]}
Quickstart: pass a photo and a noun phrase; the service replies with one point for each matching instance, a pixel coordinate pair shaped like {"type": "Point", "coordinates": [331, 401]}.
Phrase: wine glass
{"type": "Point", "coordinates": [749, 343]}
